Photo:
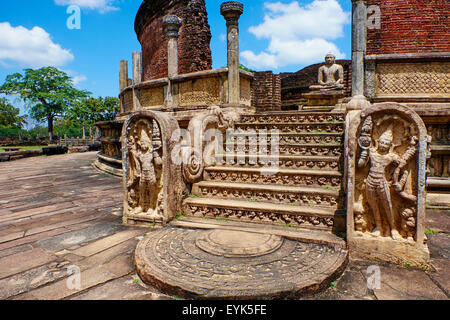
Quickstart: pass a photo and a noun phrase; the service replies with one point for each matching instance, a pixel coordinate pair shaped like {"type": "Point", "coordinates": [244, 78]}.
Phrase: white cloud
{"type": "Point", "coordinates": [30, 48]}
{"type": "Point", "coordinates": [102, 6]}
{"type": "Point", "coordinates": [78, 79]}
{"type": "Point", "coordinates": [298, 34]}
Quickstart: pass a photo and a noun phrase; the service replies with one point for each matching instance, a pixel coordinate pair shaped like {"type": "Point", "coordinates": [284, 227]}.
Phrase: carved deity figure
{"type": "Point", "coordinates": [378, 193]}
{"type": "Point", "coordinates": [331, 75]}
{"type": "Point", "coordinates": [145, 172]}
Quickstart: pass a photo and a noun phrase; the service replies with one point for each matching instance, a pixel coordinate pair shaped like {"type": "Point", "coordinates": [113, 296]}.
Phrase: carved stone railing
{"type": "Point", "coordinates": [205, 134]}
{"type": "Point", "coordinates": [153, 186]}
{"type": "Point", "coordinates": [387, 146]}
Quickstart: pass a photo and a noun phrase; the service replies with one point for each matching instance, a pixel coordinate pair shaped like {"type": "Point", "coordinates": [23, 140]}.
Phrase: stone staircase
{"type": "Point", "coordinates": [296, 182]}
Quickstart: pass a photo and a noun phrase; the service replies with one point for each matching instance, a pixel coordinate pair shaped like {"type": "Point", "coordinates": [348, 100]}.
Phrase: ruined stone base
{"type": "Point", "coordinates": [323, 98]}
{"type": "Point", "coordinates": [230, 264]}
{"type": "Point", "coordinates": [388, 250]}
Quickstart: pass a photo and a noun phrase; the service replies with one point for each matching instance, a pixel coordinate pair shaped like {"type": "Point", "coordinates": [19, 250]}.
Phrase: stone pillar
{"type": "Point", "coordinates": [137, 67]}
{"type": "Point", "coordinates": [171, 25]}
{"type": "Point", "coordinates": [123, 74]}
{"type": "Point", "coordinates": [359, 44]}
{"type": "Point", "coordinates": [123, 80]}
{"type": "Point", "coordinates": [137, 78]}
{"type": "Point", "coordinates": [232, 11]}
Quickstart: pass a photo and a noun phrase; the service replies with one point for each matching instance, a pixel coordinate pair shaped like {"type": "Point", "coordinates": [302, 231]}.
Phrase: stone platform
{"type": "Point", "coordinates": [230, 264]}
{"type": "Point", "coordinates": [59, 211]}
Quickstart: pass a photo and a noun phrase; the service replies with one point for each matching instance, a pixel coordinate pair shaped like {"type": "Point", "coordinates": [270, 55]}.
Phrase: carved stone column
{"type": "Point", "coordinates": [137, 78]}
{"type": "Point", "coordinates": [137, 67]}
{"type": "Point", "coordinates": [123, 80]}
{"type": "Point", "coordinates": [171, 25]}
{"type": "Point", "coordinates": [232, 11]}
{"type": "Point", "coordinates": [359, 47]}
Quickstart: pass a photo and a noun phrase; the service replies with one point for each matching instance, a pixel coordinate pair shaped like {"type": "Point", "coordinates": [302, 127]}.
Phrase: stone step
{"type": "Point", "coordinates": [285, 162]}
{"type": "Point", "coordinates": [275, 176]}
{"type": "Point", "coordinates": [286, 138]}
{"type": "Point", "coordinates": [287, 195]}
{"type": "Point", "coordinates": [312, 127]}
{"type": "Point", "coordinates": [268, 213]}
{"type": "Point", "coordinates": [298, 234]}
{"type": "Point", "coordinates": [324, 150]}
{"type": "Point", "coordinates": [294, 117]}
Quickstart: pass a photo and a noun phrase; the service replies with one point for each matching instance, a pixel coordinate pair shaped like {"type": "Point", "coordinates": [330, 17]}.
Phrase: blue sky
{"type": "Point", "coordinates": [283, 36]}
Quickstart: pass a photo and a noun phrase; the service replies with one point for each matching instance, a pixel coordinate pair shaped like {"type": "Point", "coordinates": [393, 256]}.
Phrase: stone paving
{"type": "Point", "coordinates": [58, 212]}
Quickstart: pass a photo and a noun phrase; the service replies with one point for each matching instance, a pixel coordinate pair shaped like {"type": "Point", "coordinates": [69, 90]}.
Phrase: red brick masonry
{"type": "Point", "coordinates": [193, 44]}
{"type": "Point", "coordinates": [410, 26]}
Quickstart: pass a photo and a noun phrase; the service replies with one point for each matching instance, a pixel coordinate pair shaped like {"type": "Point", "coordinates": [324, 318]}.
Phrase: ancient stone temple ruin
{"type": "Point", "coordinates": [263, 185]}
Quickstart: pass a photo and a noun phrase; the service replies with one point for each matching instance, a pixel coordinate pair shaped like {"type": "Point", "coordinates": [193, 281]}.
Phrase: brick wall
{"type": "Point", "coordinates": [266, 91]}
{"type": "Point", "coordinates": [410, 26]}
{"type": "Point", "coordinates": [194, 53]}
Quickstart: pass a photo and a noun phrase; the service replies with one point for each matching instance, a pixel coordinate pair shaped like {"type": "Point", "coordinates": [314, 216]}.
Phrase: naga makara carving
{"type": "Point", "coordinates": [206, 133]}
{"type": "Point", "coordinates": [152, 181]}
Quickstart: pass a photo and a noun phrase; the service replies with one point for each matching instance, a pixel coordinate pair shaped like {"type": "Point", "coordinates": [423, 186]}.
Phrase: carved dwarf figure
{"type": "Point", "coordinates": [331, 75]}
{"type": "Point", "coordinates": [408, 224]}
{"type": "Point", "coordinates": [378, 193]}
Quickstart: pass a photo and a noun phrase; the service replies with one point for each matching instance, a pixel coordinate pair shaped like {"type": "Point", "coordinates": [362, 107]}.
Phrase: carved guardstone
{"type": "Point", "coordinates": [152, 181]}
{"type": "Point", "coordinates": [387, 148]}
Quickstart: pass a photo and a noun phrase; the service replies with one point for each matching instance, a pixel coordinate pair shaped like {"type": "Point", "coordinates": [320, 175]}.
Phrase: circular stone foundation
{"type": "Point", "coordinates": [224, 264]}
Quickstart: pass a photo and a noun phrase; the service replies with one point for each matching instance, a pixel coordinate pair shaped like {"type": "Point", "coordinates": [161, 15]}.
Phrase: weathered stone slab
{"type": "Point", "coordinates": [23, 261]}
{"type": "Point", "coordinates": [108, 242]}
{"type": "Point", "coordinates": [70, 239]}
{"type": "Point", "coordinates": [32, 279]}
{"type": "Point", "coordinates": [398, 284]}
{"type": "Point", "coordinates": [116, 268]}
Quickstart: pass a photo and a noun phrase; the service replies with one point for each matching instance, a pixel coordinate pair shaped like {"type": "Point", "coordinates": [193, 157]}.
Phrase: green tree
{"type": "Point", "coordinates": [91, 110]}
{"type": "Point", "coordinates": [10, 116]}
{"type": "Point", "coordinates": [47, 92]}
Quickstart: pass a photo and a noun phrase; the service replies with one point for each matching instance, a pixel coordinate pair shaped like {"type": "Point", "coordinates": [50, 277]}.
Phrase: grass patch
{"type": "Point", "coordinates": [222, 219]}
{"type": "Point", "coordinates": [151, 225]}
{"type": "Point", "coordinates": [333, 285]}
{"type": "Point", "coordinates": [23, 148]}
{"type": "Point", "coordinates": [288, 225]}
{"type": "Point", "coordinates": [194, 196]}
{"type": "Point", "coordinates": [407, 265]}
{"type": "Point", "coordinates": [176, 298]}
{"type": "Point", "coordinates": [327, 188]}
{"type": "Point", "coordinates": [430, 231]}
{"type": "Point", "coordinates": [136, 280]}
{"type": "Point", "coordinates": [181, 216]}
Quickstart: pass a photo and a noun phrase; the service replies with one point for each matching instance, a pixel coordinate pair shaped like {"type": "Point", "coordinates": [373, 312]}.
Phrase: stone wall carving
{"type": "Point", "coordinates": [152, 181]}
{"type": "Point", "coordinates": [152, 97]}
{"type": "Point", "coordinates": [387, 149]}
{"type": "Point", "coordinates": [200, 91]}
{"type": "Point", "coordinates": [428, 79]}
